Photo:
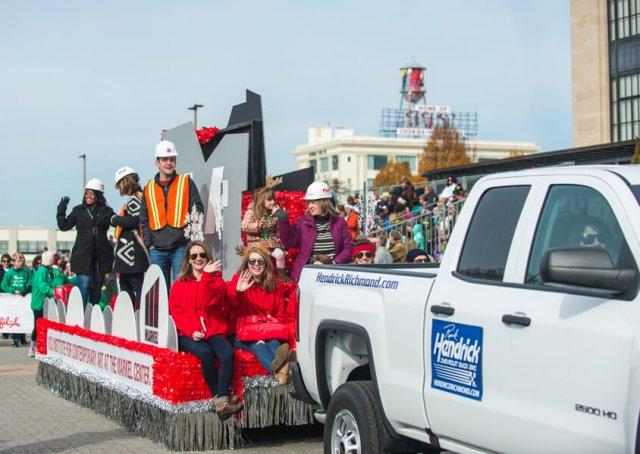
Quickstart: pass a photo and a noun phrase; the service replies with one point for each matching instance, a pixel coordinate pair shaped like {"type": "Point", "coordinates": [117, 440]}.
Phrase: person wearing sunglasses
{"type": "Point", "coordinates": [257, 299]}
{"type": "Point", "coordinates": [593, 234]}
{"type": "Point", "coordinates": [364, 252]}
{"type": "Point", "coordinates": [199, 308]}
{"type": "Point", "coordinates": [6, 265]}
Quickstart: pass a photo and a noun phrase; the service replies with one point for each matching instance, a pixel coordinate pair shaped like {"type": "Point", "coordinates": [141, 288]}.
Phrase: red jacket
{"type": "Point", "coordinates": [256, 301]}
{"type": "Point", "coordinates": [192, 303]}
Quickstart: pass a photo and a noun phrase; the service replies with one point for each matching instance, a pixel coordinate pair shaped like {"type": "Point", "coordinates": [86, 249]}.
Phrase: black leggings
{"type": "Point", "coordinates": [36, 316]}
{"type": "Point", "coordinates": [132, 284]}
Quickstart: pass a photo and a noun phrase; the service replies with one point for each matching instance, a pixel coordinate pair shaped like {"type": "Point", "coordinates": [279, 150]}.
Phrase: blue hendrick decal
{"type": "Point", "coordinates": [456, 358]}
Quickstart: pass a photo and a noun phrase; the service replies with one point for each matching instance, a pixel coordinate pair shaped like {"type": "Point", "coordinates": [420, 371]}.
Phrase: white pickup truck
{"type": "Point", "coordinates": [526, 338]}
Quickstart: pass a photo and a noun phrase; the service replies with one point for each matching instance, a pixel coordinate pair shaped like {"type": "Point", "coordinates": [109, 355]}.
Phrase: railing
{"type": "Point", "coordinates": [436, 221]}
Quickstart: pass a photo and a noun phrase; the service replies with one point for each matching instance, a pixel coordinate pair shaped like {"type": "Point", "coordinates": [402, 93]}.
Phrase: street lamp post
{"type": "Point", "coordinates": [84, 170]}
{"type": "Point", "coordinates": [195, 108]}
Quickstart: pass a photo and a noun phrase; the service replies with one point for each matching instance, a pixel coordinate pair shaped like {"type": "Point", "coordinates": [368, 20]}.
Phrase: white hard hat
{"type": "Point", "coordinates": [123, 172]}
{"type": "Point", "coordinates": [95, 185]}
{"type": "Point", "coordinates": [166, 149]}
{"type": "Point", "coordinates": [318, 190]}
{"type": "Point", "coordinates": [47, 258]}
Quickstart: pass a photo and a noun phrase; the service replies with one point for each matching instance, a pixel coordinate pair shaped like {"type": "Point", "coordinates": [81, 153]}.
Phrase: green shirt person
{"type": "Point", "coordinates": [17, 279]}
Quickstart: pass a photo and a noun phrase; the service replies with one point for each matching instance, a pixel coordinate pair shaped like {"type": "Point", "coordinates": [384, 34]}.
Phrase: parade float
{"type": "Point", "coordinates": [126, 366]}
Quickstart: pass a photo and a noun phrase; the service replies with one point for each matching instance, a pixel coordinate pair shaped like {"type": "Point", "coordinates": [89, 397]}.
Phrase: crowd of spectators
{"type": "Point", "coordinates": [410, 218]}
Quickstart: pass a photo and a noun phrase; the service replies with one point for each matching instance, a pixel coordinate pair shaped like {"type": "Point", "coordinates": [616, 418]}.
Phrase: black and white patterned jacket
{"type": "Point", "coordinates": [130, 254]}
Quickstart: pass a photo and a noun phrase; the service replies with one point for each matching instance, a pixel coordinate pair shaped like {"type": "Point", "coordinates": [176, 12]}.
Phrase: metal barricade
{"type": "Point", "coordinates": [436, 221]}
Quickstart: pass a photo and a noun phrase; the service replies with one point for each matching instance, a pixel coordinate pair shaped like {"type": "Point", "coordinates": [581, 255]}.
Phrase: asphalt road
{"type": "Point", "coordinates": [35, 420]}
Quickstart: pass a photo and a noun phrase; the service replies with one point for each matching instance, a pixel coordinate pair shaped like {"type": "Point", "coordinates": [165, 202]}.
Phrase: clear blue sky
{"type": "Point", "coordinates": [103, 78]}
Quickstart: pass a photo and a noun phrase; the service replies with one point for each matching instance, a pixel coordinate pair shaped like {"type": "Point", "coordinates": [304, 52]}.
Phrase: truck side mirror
{"type": "Point", "coordinates": [585, 267]}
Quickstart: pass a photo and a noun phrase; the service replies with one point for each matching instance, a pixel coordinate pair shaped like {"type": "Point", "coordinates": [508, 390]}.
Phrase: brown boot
{"type": "Point", "coordinates": [281, 358]}
{"type": "Point", "coordinates": [283, 375]}
{"type": "Point", "coordinates": [224, 408]}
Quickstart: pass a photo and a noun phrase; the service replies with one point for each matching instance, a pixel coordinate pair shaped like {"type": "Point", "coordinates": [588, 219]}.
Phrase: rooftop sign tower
{"type": "Point", "coordinates": [417, 119]}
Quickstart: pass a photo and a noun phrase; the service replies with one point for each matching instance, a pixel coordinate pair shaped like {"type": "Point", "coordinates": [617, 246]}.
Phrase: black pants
{"type": "Point", "coordinates": [132, 284]}
{"type": "Point", "coordinates": [36, 316]}
{"type": "Point", "coordinates": [205, 350]}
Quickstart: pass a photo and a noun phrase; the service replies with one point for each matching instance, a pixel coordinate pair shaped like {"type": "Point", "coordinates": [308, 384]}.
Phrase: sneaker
{"type": "Point", "coordinates": [281, 358]}
{"type": "Point", "coordinates": [32, 351]}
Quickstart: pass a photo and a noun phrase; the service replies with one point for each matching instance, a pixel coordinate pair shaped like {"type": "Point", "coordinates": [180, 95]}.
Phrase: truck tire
{"type": "Point", "coordinates": [353, 420]}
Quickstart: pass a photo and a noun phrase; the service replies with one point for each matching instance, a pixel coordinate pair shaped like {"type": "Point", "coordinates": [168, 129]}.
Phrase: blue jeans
{"type": "Point", "coordinates": [205, 350]}
{"type": "Point", "coordinates": [91, 285]}
{"type": "Point", "coordinates": [169, 261]}
{"type": "Point", "coordinates": [265, 351]}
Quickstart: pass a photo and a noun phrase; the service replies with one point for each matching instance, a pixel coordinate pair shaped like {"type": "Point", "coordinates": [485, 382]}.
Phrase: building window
{"type": "Point", "coordinates": [4, 247]}
{"type": "Point", "coordinates": [324, 164]}
{"type": "Point", "coordinates": [376, 161]}
{"type": "Point", "coordinates": [31, 247]}
{"type": "Point", "coordinates": [335, 159]}
{"type": "Point", "coordinates": [624, 19]}
{"type": "Point", "coordinates": [624, 65]}
{"type": "Point", "coordinates": [625, 107]}
{"type": "Point", "coordinates": [64, 246]}
{"type": "Point", "coordinates": [410, 160]}
{"type": "Point", "coordinates": [313, 165]}
{"type": "Point", "coordinates": [348, 158]}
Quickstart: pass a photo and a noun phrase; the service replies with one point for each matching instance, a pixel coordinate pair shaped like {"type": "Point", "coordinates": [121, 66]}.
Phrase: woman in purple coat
{"type": "Point", "coordinates": [319, 232]}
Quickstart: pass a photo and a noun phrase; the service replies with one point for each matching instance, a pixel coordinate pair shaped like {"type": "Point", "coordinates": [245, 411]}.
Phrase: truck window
{"type": "Point", "coordinates": [577, 216]}
{"type": "Point", "coordinates": [486, 247]}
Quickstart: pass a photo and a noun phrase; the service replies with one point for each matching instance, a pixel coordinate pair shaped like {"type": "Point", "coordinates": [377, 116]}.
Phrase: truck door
{"type": "Point", "coordinates": [461, 347]}
{"type": "Point", "coordinates": [563, 369]}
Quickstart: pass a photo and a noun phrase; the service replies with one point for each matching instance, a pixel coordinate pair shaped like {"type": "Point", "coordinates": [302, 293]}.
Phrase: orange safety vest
{"type": "Point", "coordinates": [171, 210]}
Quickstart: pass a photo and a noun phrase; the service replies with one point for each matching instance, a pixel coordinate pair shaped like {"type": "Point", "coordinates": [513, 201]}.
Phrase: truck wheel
{"type": "Point", "coordinates": [352, 426]}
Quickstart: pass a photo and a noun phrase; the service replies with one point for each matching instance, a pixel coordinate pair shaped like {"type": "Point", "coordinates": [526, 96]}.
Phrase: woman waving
{"type": "Point", "coordinates": [259, 304]}
{"type": "Point", "coordinates": [197, 303]}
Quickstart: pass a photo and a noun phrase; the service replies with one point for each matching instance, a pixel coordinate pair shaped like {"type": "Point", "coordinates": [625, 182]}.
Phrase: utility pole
{"type": "Point", "coordinates": [195, 108]}
{"type": "Point", "coordinates": [84, 170]}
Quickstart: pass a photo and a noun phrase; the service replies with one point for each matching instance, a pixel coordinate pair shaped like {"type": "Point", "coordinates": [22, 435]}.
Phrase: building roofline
{"type": "Point", "coordinates": [398, 141]}
{"type": "Point", "coordinates": [593, 154]}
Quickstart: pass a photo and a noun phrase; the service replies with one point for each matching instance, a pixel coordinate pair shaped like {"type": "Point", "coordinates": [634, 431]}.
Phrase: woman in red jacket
{"type": "Point", "coordinates": [198, 305]}
{"type": "Point", "coordinates": [254, 291]}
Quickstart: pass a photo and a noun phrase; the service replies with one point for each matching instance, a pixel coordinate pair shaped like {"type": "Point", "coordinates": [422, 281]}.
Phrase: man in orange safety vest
{"type": "Point", "coordinates": [167, 200]}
